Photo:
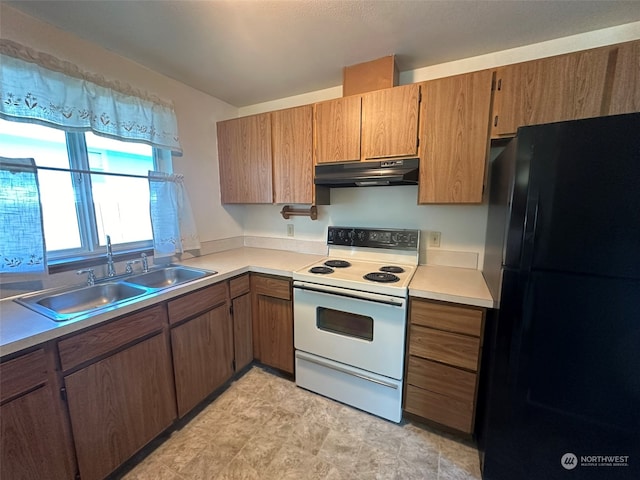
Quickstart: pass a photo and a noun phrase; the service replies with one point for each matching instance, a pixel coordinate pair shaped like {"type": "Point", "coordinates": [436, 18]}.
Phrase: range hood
{"type": "Point", "coordinates": [368, 174]}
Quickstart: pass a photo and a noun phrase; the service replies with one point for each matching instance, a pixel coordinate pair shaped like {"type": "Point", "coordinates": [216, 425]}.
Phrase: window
{"type": "Point", "coordinates": [80, 209]}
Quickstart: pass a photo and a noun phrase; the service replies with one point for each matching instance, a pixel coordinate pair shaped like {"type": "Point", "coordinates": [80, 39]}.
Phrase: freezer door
{"type": "Point", "coordinates": [565, 378]}
{"type": "Point", "coordinates": [583, 201]}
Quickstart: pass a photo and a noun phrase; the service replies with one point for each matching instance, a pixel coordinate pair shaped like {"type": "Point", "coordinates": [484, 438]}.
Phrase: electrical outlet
{"type": "Point", "coordinates": [289, 229]}
{"type": "Point", "coordinates": [434, 239]}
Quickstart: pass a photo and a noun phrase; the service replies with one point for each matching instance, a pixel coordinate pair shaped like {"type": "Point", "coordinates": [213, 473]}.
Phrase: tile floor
{"type": "Point", "coordinates": [264, 427]}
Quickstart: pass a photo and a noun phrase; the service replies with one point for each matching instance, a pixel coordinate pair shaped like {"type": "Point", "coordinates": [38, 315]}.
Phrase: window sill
{"type": "Point", "coordinates": [78, 263]}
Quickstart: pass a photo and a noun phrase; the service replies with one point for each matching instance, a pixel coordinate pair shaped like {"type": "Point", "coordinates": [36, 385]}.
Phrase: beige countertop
{"type": "Point", "coordinates": [451, 284]}
{"type": "Point", "coordinates": [22, 328]}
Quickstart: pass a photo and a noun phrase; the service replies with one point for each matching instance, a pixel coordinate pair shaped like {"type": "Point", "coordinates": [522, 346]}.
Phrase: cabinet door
{"type": "Point", "coordinates": [244, 156]}
{"type": "Point", "coordinates": [564, 87]}
{"type": "Point", "coordinates": [119, 404]}
{"type": "Point", "coordinates": [337, 130]}
{"type": "Point", "coordinates": [32, 439]}
{"type": "Point", "coordinates": [292, 138]}
{"type": "Point", "coordinates": [625, 95]}
{"type": "Point", "coordinates": [273, 321]}
{"type": "Point", "coordinates": [276, 332]}
{"type": "Point", "coordinates": [202, 356]}
{"type": "Point", "coordinates": [454, 119]}
{"type": "Point", "coordinates": [34, 433]}
{"type": "Point", "coordinates": [242, 331]}
{"type": "Point", "coordinates": [390, 122]}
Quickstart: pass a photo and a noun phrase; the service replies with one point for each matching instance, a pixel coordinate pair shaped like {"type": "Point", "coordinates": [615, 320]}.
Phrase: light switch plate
{"type": "Point", "coordinates": [434, 240]}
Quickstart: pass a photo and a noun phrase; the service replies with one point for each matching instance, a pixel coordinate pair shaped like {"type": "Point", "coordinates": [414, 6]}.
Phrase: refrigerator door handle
{"type": "Point", "coordinates": [520, 333]}
{"type": "Point", "coordinates": [531, 223]}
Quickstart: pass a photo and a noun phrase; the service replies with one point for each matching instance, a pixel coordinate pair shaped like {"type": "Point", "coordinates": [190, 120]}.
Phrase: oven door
{"type": "Point", "coordinates": [360, 329]}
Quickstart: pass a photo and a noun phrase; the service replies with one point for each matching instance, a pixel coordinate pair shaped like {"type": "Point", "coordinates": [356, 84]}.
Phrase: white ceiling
{"type": "Point", "coordinates": [250, 51]}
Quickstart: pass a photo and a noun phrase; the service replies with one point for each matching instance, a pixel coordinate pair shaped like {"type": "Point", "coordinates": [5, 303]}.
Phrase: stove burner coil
{"type": "Point", "coordinates": [337, 263]}
{"type": "Point", "coordinates": [392, 269]}
{"type": "Point", "coordinates": [382, 277]}
{"type": "Point", "coordinates": [321, 270]}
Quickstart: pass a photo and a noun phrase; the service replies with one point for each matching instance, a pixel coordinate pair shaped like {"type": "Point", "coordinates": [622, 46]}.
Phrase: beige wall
{"type": "Point", "coordinates": [462, 227]}
{"type": "Point", "coordinates": [197, 114]}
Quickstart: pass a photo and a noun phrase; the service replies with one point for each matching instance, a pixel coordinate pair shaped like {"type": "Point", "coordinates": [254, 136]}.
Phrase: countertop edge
{"type": "Point", "coordinates": [447, 297]}
{"type": "Point", "coordinates": [243, 261]}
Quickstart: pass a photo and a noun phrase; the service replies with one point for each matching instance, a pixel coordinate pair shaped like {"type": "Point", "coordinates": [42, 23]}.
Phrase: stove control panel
{"type": "Point", "coordinates": [374, 237]}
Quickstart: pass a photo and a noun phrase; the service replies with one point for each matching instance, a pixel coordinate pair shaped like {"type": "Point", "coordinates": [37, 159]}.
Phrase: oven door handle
{"type": "Point", "coordinates": [347, 372]}
{"type": "Point", "coordinates": [366, 296]}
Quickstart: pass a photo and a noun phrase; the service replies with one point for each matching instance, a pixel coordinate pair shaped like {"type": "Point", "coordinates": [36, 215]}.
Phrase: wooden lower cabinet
{"type": "Point", "coordinates": [273, 321]}
{"type": "Point", "coordinates": [443, 363]}
{"type": "Point", "coordinates": [202, 356]}
{"type": "Point", "coordinates": [34, 441]}
{"type": "Point", "coordinates": [118, 404]}
{"type": "Point", "coordinates": [240, 294]}
{"type": "Point", "coordinates": [119, 388]}
{"type": "Point", "coordinates": [202, 343]}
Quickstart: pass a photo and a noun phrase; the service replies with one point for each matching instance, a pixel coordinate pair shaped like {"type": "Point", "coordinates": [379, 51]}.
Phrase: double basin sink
{"type": "Point", "coordinates": [64, 304]}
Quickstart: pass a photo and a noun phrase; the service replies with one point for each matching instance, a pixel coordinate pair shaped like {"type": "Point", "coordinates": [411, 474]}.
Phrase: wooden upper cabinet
{"type": "Point", "coordinates": [564, 87]}
{"type": "Point", "coordinates": [390, 122]}
{"type": "Point", "coordinates": [454, 126]}
{"type": "Point", "coordinates": [292, 141]}
{"type": "Point", "coordinates": [625, 94]}
{"type": "Point", "coordinates": [244, 155]}
{"type": "Point", "coordinates": [337, 130]}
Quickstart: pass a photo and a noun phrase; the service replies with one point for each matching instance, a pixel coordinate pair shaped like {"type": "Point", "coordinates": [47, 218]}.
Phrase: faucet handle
{"type": "Point", "coordinates": [129, 267]}
{"type": "Point", "coordinates": [91, 279]}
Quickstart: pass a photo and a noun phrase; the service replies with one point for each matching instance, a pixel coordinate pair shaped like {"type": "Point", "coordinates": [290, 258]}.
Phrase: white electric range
{"type": "Point", "coordinates": [350, 316]}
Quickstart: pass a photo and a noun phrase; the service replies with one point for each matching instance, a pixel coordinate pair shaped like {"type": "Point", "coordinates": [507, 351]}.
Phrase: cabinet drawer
{"type": "Point", "coordinates": [106, 338]}
{"type": "Point", "coordinates": [450, 381]}
{"type": "Point", "coordinates": [451, 318]}
{"type": "Point", "coordinates": [271, 287]}
{"type": "Point", "coordinates": [197, 302]}
{"type": "Point", "coordinates": [450, 348]}
{"type": "Point", "coordinates": [439, 408]}
{"type": "Point", "coordinates": [22, 374]}
{"type": "Point", "coordinates": [239, 286]}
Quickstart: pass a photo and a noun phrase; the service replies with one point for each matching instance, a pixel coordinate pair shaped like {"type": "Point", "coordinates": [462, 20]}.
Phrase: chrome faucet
{"type": "Point", "coordinates": [145, 262]}
{"type": "Point", "coordinates": [111, 269]}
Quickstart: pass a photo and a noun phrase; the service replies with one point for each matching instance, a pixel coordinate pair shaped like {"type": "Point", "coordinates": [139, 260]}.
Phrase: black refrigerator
{"type": "Point", "coordinates": [563, 257]}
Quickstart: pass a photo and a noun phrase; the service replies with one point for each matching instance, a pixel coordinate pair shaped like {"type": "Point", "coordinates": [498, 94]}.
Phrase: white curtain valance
{"type": "Point", "coordinates": [38, 88]}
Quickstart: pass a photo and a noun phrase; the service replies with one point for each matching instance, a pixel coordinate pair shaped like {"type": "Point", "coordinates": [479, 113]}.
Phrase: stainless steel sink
{"type": "Point", "coordinates": [168, 277]}
{"type": "Point", "coordinates": [67, 303]}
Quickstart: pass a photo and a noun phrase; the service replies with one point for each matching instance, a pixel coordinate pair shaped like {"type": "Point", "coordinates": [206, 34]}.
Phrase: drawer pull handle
{"type": "Point", "coordinates": [349, 372]}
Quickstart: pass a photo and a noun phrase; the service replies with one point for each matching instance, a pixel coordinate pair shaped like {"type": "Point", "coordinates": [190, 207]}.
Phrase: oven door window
{"type": "Point", "coordinates": [345, 323]}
